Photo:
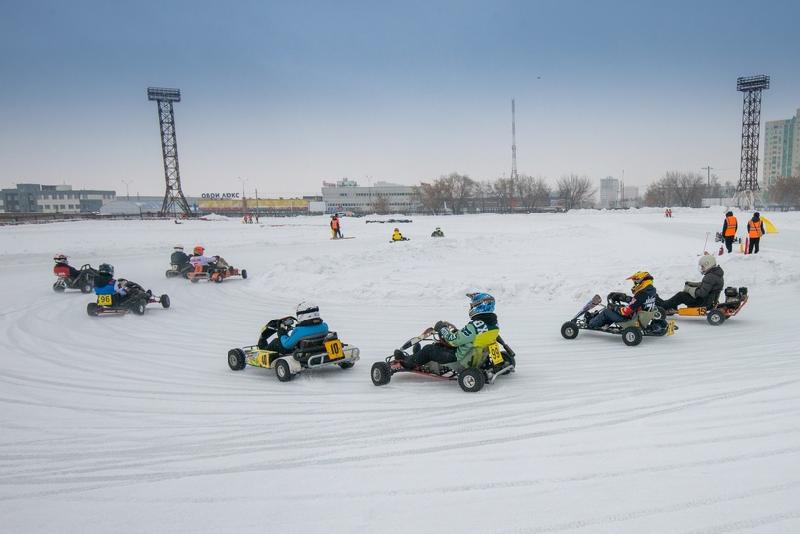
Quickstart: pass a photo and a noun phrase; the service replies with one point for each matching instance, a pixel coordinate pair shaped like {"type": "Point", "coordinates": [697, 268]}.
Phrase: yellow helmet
{"type": "Point", "coordinates": [641, 279]}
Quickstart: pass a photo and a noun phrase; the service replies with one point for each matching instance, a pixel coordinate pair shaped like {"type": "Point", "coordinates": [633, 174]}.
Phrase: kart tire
{"type": "Point", "coordinates": [631, 336]}
{"type": "Point", "coordinates": [92, 309]}
{"type": "Point", "coordinates": [569, 330]}
{"type": "Point", "coordinates": [194, 280]}
{"type": "Point", "coordinates": [219, 279]}
{"type": "Point", "coordinates": [236, 359]}
{"type": "Point", "coordinates": [58, 287]}
{"type": "Point", "coordinates": [380, 373]}
{"type": "Point", "coordinates": [471, 380]}
{"type": "Point", "coordinates": [244, 273]}
{"type": "Point", "coordinates": [164, 300]}
{"type": "Point", "coordinates": [347, 365]}
{"type": "Point", "coordinates": [139, 307]}
{"type": "Point", "coordinates": [715, 317]}
{"type": "Point", "coordinates": [509, 358]}
{"type": "Point", "coordinates": [283, 371]}
{"type": "Point", "coordinates": [171, 274]}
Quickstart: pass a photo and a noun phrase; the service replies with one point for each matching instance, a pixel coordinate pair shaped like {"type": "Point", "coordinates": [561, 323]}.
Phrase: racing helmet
{"type": "Point", "coordinates": [60, 258]}
{"type": "Point", "coordinates": [307, 311]}
{"type": "Point", "coordinates": [199, 250]}
{"type": "Point", "coordinates": [640, 279]}
{"type": "Point", "coordinates": [178, 247]}
{"type": "Point", "coordinates": [106, 268]}
{"type": "Point", "coordinates": [706, 262]}
{"type": "Point", "coordinates": [480, 303]}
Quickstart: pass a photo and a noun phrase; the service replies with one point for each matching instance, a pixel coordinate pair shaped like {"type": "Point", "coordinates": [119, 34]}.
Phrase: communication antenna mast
{"type": "Point", "coordinates": [173, 197]}
{"type": "Point", "coordinates": [746, 190]}
{"type": "Point", "coordinates": [514, 174]}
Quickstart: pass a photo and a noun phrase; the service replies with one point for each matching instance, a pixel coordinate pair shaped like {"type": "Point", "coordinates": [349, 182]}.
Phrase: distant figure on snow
{"type": "Point", "coordinates": [729, 227]}
{"type": "Point", "coordinates": [755, 229]}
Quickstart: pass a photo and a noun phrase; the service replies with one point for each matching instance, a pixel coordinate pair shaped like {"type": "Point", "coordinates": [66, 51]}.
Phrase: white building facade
{"type": "Point", "coordinates": [346, 195]}
{"type": "Point", "coordinates": [781, 149]}
{"type": "Point", "coordinates": [609, 192]}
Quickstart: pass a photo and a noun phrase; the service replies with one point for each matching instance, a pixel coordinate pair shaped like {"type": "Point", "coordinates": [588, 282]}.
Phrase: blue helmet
{"type": "Point", "coordinates": [480, 303]}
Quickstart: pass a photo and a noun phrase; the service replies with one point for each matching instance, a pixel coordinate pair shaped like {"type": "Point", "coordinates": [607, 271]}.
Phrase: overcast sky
{"type": "Point", "coordinates": [289, 94]}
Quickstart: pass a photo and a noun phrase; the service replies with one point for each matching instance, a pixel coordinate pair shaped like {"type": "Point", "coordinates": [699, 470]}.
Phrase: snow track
{"type": "Point", "coordinates": [136, 424]}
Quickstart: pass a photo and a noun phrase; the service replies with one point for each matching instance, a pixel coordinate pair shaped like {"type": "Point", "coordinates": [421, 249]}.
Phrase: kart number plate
{"type": "Point", "coordinates": [104, 300]}
{"type": "Point", "coordinates": [494, 354]}
{"type": "Point", "coordinates": [334, 349]}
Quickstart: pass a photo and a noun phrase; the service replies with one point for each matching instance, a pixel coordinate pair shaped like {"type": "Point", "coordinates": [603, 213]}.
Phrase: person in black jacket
{"type": "Point", "coordinates": [644, 297]}
{"type": "Point", "coordinates": [180, 259]}
{"type": "Point", "coordinates": [703, 293]}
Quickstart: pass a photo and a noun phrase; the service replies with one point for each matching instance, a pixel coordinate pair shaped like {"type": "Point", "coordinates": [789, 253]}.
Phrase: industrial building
{"type": "Point", "coordinates": [346, 195]}
{"type": "Point", "coordinates": [37, 198]}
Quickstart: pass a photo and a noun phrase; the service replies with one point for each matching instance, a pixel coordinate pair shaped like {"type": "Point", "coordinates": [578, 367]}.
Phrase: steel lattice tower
{"type": "Point", "coordinates": [173, 197]}
{"type": "Point", "coordinates": [751, 86]}
{"type": "Point", "coordinates": [514, 174]}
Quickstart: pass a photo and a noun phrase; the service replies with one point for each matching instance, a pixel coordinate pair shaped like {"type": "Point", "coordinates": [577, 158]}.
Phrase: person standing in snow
{"type": "Point", "coordinates": [755, 229]}
{"type": "Point", "coordinates": [729, 226]}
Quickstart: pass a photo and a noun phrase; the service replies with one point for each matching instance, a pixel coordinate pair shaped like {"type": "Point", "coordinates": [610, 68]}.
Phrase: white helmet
{"type": "Point", "coordinates": [307, 311]}
{"type": "Point", "coordinates": [178, 247]}
{"type": "Point", "coordinates": [706, 262]}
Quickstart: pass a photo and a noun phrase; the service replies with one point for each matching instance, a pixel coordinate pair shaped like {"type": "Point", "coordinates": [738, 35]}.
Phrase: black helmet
{"type": "Point", "coordinates": [106, 268]}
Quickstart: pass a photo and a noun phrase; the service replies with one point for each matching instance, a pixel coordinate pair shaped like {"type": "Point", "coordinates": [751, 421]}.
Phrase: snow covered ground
{"type": "Point", "coordinates": [136, 424]}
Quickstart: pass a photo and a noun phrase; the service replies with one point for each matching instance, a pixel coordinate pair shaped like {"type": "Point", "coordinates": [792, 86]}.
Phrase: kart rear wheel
{"type": "Point", "coordinates": [164, 300]}
{"type": "Point", "coordinates": [139, 307]}
{"type": "Point", "coordinates": [91, 309]}
{"type": "Point", "coordinates": [631, 336]}
{"type": "Point", "coordinates": [471, 380]}
{"type": "Point", "coordinates": [569, 330]}
{"type": "Point", "coordinates": [509, 358]}
{"type": "Point", "coordinates": [236, 360]}
{"type": "Point", "coordinates": [715, 317]}
{"type": "Point", "coordinates": [87, 287]}
{"type": "Point", "coordinates": [219, 278]}
{"type": "Point", "coordinates": [194, 279]}
{"type": "Point", "coordinates": [380, 373]}
{"type": "Point", "coordinates": [171, 274]}
{"type": "Point", "coordinates": [244, 273]}
{"type": "Point", "coordinates": [282, 371]}
{"type": "Point", "coordinates": [346, 365]}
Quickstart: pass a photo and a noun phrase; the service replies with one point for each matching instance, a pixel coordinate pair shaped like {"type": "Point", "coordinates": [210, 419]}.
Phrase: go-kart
{"type": "Point", "coordinates": [324, 350]}
{"type": "Point", "coordinates": [642, 323]}
{"type": "Point", "coordinates": [216, 272]}
{"type": "Point", "coordinates": [488, 363]}
{"type": "Point", "coordinates": [135, 301]}
{"type": "Point", "coordinates": [84, 280]}
{"type": "Point", "coordinates": [176, 270]}
{"type": "Point", "coordinates": [735, 299]}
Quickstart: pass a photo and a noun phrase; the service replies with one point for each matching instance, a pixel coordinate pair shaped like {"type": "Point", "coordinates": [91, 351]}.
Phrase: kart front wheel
{"type": "Point", "coordinates": [244, 273]}
{"type": "Point", "coordinates": [715, 318]}
{"type": "Point", "coordinates": [346, 365]}
{"type": "Point", "coordinates": [59, 287]}
{"type": "Point", "coordinates": [631, 336]}
{"type": "Point", "coordinates": [87, 287]}
{"type": "Point", "coordinates": [236, 359]}
{"type": "Point", "coordinates": [282, 371]}
{"type": "Point", "coordinates": [91, 309]}
{"type": "Point", "coordinates": [380, 373]}
{"type": "Point", "coordinates": [569, 330]}
{"type": "Point", "coordinates": [139, 308]}
{"type": "Point", "coordinates": [164, 300]}
{"type": "Point", "coordinates": [471, 380]}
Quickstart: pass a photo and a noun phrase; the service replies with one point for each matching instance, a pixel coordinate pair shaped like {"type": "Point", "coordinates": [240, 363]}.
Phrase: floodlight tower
{"type": "Point", "coordinates": [514, 174]}
{"type": "Point", "coordinates": [751, 86]}
{"type": "Point", "coordinates": [173, 197]}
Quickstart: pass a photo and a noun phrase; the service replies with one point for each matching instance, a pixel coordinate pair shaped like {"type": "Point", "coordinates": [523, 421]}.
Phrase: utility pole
{"type": "Point", "coordinates": [708, 168]}
{"type": "Point", "coordinates": [514, 174]}
{"type": "Point", "coordinates": [127, 192]}
{"type": "Point", "coordinates": [244, 203]}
